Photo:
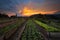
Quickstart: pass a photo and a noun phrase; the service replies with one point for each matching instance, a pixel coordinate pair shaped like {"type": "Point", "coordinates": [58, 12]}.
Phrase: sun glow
{"type": "Point", "coordinates": [29, 12]}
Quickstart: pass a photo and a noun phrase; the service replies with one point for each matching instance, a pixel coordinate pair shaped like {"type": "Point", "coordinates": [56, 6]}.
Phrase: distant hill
{"type": "Point", "coordinates": [37, 16]}
{"type": "Point", "coordinates": [56, 15]}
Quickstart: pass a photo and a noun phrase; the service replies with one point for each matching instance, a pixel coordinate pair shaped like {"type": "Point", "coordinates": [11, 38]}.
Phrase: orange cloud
{"type": "Point", "coordinates": [28, 12]}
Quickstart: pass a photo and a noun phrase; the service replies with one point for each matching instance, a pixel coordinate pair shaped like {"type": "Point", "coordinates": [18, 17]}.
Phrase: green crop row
{"type": "Point", "coordinates": [9, 27]}
{"type": "Point", "coordinates": [47, 27]}
{"type": "Point", "coordinates": [31, 32]}
{"type": "Point", "coordinates": [51, 22]}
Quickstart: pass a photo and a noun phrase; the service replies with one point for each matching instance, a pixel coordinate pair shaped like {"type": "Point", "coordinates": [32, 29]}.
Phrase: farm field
{"type": "Point", "coordinates": [29, 19]}
{"type": "Point", "coordinates": [50, 22]}
{"type": "Point", "coordinates": [26, 29]}
{"type": "Point", "coordinates": [47, 27]}
{"type": "Point", "coordinates": [9, 28]}
{"type": "Point", "coordinates": [31, 33]}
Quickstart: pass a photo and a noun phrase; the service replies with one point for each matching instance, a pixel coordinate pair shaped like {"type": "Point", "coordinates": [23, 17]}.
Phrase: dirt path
{"type": "Point", "coordinates": [6, 23]}
{"type": "Point", "coordinates": [18, 32]}
{"type": "Point", "coordinates": [43, 32]}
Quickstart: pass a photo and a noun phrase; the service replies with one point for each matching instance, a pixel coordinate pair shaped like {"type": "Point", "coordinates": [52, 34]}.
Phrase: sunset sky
{"type": "Point", "coordinates": [35, 6]}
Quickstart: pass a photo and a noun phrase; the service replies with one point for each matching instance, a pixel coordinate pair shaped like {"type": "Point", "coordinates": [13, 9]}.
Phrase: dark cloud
{"type": "Point", "coordinates": [15, 5]}
{"type": "Point", "coordinates": [9, 4]}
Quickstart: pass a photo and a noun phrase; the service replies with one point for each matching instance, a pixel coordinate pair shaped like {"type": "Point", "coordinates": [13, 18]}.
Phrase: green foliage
{"type": "Point", "coordinates": [47, 27]}
{"type": "Point", "coordinates": [12, 26]}
{"type": "Point", "coordinates": [31, 32]}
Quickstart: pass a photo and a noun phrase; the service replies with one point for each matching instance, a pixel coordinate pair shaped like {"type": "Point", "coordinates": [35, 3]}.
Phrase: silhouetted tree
{"type": "Point", "coordinates": [3, 15]}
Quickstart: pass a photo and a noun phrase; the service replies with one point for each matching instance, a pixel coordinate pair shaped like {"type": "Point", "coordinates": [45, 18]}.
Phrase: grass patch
{"type": "Point", "coordinates": [47, 27]}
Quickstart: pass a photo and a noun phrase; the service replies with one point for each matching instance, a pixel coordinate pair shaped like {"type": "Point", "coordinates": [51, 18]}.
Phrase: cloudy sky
{"type": "Point", "coordinates": [45, 6]}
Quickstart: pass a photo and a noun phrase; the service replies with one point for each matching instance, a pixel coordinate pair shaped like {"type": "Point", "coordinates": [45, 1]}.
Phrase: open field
{"type": "Point", "coordinates": [26, 29]}
{"type": "Point", "coordinates": [9, 28]}
{"type": "Point", "coordinates": [31, 33]}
